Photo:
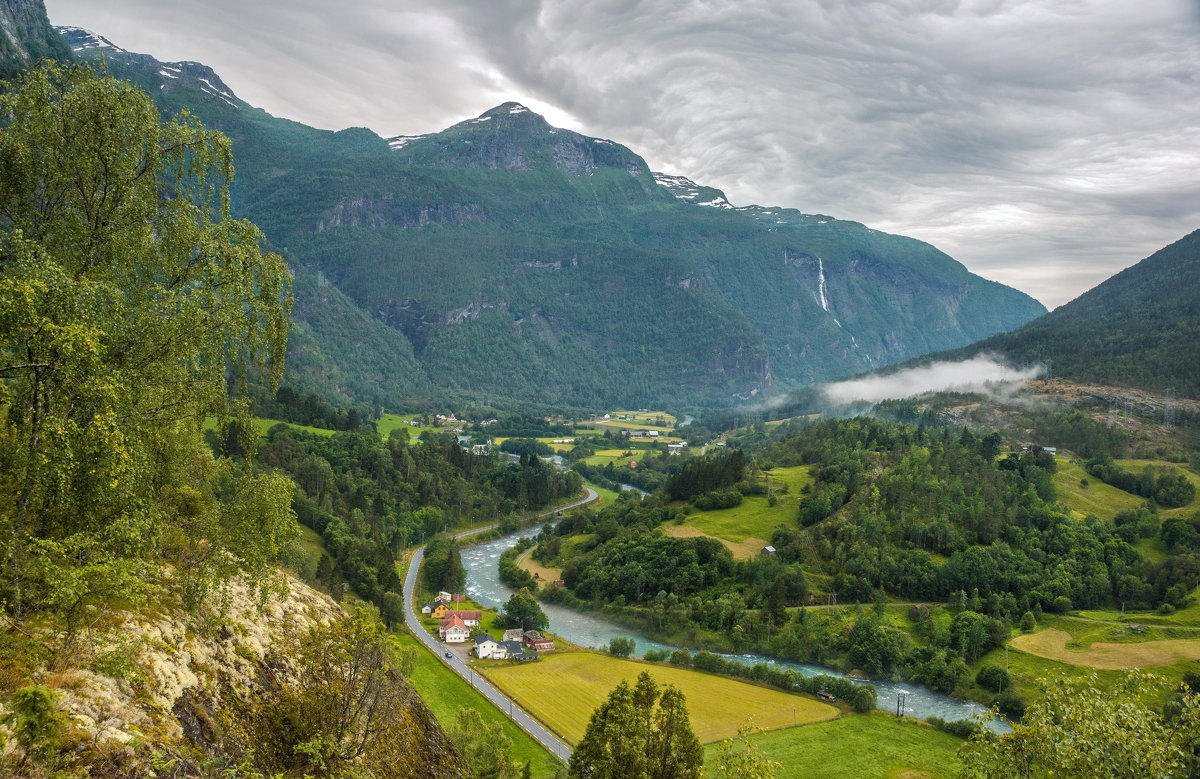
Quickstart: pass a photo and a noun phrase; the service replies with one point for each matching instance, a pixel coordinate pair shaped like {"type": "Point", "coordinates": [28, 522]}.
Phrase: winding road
{"type": "Point", "coordinates": [505, 704]}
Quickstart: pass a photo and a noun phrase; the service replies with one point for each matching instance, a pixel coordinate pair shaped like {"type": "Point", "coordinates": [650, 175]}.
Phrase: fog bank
{"type": "Point", "coordinates": [983, 375]}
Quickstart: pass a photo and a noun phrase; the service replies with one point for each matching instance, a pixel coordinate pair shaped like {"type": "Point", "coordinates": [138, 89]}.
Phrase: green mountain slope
{"type": "Point", "coordinates": [511, 258]}
{"type": "Point", "coordinates": [1140, 328]}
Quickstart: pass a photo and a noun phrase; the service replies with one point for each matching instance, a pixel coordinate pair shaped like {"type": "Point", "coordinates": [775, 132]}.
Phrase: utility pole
{"type": "Point", "coordinates": [901, 695]}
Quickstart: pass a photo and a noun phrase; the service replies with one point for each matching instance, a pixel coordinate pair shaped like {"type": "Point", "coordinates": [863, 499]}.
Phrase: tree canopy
{"type": "Point", "coordinates": [642, 732]}
{"type": "Point", "coordinates": [131, 303]}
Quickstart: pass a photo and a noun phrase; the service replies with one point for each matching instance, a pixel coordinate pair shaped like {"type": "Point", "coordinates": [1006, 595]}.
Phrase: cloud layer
{"type": "Point", "coordinates": [1044, 143]}
{"type": "Point", "coordinates": [981, 375]}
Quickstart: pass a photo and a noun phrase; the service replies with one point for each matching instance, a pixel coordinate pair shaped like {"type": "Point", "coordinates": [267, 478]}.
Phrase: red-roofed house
{"type": "Point", "coordinates": [453, 631]}
{"type": "Point", "coordinates": [471, 618]}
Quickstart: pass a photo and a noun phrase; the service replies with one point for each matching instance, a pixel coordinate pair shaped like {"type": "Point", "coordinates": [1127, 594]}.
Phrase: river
{"type": "Point", "coordinates": [482, 563]}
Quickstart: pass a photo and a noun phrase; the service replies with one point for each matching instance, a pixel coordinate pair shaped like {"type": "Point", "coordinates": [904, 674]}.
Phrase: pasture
{"type": "Point", "coordinates": [864, 745]}
{"type": "Point", "coordinates": [1096, 498]}
{"type": "Point", "coordinates": [756, 519]}
{"type": "Point", "coordinates": [562, 690]}
{"type": "Point", "coordinates": [1051, 643]}
{"type": "Point", "coordinates": [742, 550]}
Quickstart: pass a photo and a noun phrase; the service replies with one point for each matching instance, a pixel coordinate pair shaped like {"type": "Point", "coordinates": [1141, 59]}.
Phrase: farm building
{"type": "Point", "coordinates": [535, 640]}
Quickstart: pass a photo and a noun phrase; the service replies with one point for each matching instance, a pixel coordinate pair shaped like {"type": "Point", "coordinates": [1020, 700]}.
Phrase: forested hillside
{"type": "Point", "coordinates": [1140, 328]}
{"type": "Point", "coordinates": [505, 258]}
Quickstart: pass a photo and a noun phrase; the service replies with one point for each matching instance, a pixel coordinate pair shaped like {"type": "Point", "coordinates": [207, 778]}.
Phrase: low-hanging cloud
{"type": "Point", "coordinates": [983, 375]}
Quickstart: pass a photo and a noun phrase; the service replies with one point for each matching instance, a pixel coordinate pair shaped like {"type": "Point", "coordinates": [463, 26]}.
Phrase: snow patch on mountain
{"type": "Point", "coordinates": [80, 39]}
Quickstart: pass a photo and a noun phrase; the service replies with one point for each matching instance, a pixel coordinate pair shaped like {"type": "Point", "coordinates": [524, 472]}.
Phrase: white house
{"type": "Point", "coordinates": [488, 648]}
{"type": "Point", "coordinates": [453, 631]}
{"type": "Point", "coordinates": [516, 634]}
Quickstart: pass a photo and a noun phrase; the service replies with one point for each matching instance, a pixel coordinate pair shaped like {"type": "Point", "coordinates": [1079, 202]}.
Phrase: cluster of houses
{"type": "Point", "coordinates": [517, 644]}
{"type": "Point", "coordinates": [457, 626]}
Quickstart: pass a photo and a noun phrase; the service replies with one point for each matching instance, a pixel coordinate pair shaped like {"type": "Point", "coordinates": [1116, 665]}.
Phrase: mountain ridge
{"type": "Point", "coordinates": [516, 259]}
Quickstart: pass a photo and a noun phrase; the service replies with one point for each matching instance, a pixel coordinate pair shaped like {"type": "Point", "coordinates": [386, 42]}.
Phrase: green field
{"type": "Point", "coordinates": [864, 746]}
{"type": "Point", "coordinates": [389, 422]}
{"type": "Point", "coordinates": [562, 690]}
{"type": "Point", "coordinates": [756, 518]}
{"type": "Point", "coordinates": [1047, 654]}
{"type": "Point", "coordinates": [1096, 498]}
{"type": "Point", "coordinates": [446, 693]}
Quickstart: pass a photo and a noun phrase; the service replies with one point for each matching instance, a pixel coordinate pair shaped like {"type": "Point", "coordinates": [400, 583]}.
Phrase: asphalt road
{"type": "Point", "coordinates": [514, 712]}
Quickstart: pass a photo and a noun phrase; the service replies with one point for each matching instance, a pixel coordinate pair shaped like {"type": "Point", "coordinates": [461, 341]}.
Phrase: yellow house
{"type": "Point", "coordinates": [439, 611]}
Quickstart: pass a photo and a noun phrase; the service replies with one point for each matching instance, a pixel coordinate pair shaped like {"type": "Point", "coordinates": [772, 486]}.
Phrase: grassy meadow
{"type": "Point", "coordinates": [745, 529]}
{"type": "Point", "coordinates": [863, 746]}
{"type": "Point", "coordinates": [446, 693]}
{"type": "Point", "coordinates": [562, 690]}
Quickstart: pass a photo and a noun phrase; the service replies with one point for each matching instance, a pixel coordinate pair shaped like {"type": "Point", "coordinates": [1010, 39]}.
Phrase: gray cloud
{"type": "Point", "coordinates": [1044, 143]}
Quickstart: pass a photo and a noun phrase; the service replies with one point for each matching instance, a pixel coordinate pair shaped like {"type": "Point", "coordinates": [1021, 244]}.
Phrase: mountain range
{"type": "Point", "coordinates": [504, 258]}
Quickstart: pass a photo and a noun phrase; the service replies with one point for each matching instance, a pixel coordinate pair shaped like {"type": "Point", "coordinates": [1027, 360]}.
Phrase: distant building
{"type": "Point", "coordinates": [767, 550]}
{"type": "Point", "coordinates": [535, 640]}
{"type": "Point", "coordinates": [513, 635]}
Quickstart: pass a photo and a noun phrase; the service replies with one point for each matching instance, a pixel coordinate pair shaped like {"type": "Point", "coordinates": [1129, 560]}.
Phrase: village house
{"type": "Point", "coordinates": [488, 648]}
{"type": "Point", "coordinates": [470, 618]}
{"type": "Point", "coordinates": [453, 631]}
{"type": "Point", "coordinates": [767, 550]}
{"type": "Point", "coordinates": [427, 608]}
{"type": "Point", "coordinates": [516, 634]}
{"type": "Point", "coordinates": [535, 640]}
{"type": "Point", "coordinates": [439, 610]}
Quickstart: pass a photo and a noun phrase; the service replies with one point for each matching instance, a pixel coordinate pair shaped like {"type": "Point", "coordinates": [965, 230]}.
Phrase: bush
{"type": "Point", "coordinates": [718, 499]}
{"type": "Point", "coordinates": [1010, 704]}
{"type": "Point", "coordinates": [619, 646]}
{"type": "Point", "coordinates": [963, 728]}
{"type": "Point", "coordinates": [681, 657]}
{"type": "Point", "coordinates": [993, 679]}
{"type": "Point", "coordinates": [1164, 609]}
{"type": "Point", "coordinates": [1061, 604]}
{"type": "Point", "coordinates": [1028, 622]}
{"type": "Point", "coordinates": [654, 656]}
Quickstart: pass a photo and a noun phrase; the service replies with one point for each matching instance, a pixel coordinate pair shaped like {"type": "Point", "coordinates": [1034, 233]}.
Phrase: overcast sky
{"type": "Point", "coordinates": [1044, 143]}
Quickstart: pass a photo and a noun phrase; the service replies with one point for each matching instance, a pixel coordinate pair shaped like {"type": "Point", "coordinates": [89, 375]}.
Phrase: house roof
{"type": "Point", "coordinates": [452, 623]}
{"type": "Point", "coordinates": [534, 635]}
{"type": "Point", "coordinates": [512, 647]}
{"type": "Point", "coordinates": [465, 614]}
{"type": "Point", "coordinates": [484, 638]}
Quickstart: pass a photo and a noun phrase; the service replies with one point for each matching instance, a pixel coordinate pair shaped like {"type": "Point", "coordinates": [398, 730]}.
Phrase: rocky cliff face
{"type": "Point", "coordinates": [26, 36]}
{"type": "Point", "coordinates": [155, 691]}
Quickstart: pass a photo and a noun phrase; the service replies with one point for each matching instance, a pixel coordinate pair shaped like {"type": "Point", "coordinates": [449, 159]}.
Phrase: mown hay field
{"type": "Point", "coordinates": [562, 690]}
{"type": "Point", "coordinates": [1052, 644]}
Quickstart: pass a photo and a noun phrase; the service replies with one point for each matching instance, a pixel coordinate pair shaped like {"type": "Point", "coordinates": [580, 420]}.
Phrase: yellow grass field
{"type": "Point", "coordinates": [742, 550]}
{"type": "Point", "coordinates": [1052, 644]}
{"type": "Point", "coordinates": [563, 690]}
{"type": "Point", "coordinates": [534, 567]}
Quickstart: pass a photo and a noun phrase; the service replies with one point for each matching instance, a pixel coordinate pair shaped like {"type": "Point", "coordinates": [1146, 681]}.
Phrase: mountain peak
{"type": "Point", "coordinates": [508, 109]}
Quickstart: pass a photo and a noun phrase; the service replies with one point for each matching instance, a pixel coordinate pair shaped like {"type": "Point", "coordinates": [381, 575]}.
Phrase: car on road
{"type": "Point", "coordinates": [450, 655]}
